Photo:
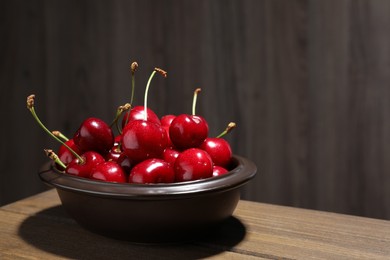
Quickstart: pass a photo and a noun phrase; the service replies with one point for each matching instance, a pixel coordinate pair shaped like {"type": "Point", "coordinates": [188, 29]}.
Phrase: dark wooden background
{"type": "Point", "coordinates": [307, 82]}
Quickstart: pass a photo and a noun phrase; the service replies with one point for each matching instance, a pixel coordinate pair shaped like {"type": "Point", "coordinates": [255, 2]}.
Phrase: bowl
{"type": "Point", "coordinates": [150, 213]}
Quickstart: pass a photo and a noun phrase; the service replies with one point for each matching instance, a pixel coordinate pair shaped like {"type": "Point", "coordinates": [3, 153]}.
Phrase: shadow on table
{"type": "Point", "coordinates": [46, 231]}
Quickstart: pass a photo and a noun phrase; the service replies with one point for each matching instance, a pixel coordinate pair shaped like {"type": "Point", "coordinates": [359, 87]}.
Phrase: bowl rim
{"type": "Point", "coordinates": [238, 176]}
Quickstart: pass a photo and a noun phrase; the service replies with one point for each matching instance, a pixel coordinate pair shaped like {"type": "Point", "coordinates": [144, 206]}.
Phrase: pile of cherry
{"type": "Point", "coordinates": [146, 149]}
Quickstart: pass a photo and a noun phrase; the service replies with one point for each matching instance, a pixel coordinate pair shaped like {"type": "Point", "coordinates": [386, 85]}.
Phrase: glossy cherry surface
{"type": "Point", "coordinates": [152, 171]}
{"type": "Point", "coordinates": [170, 155]}
{"type": "Point", "coordinates": [218, 149]}
{"type": "Point", "coordinates": [84, 169]}
{"type": "Point", "coordinates": [65, 155]}
{"type": "Point", "coordinates": [108, 171]}
{"type": "Point", "coordinates": [193, 164]}
{"type": "Point", "coordinates": [138, 113]}
{"type": "Point", "coordinates": [143, 140]}
{"type": "Point", "coordinates": [188, 131]}
{"type": "Point", "coordinates": [218, 170]}
{"type": "Point", "coordinates": [94, 135]}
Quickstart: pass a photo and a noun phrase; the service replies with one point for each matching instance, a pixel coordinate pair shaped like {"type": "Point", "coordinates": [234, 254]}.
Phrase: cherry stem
{"type": "Point", "coordinates": [133, 69]}
{"type": "Point", "coordinates": [229, 128]}
{"type": "Point", "coordinates": [119, 112]}
{"type": "Point", "coordinates": [164, 74]}
{"type": "Point", "coordinates": [60, 135]}
{"type": "Point", "coordinates": [196, 92]}
{"type": "Point", "coordinates": [30, 106]}
{"type": "Point", "coordinates": [52, 155]}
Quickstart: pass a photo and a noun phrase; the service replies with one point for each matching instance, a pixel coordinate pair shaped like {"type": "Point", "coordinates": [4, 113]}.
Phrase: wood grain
{"type": "Point", "coordinates": [38, 228]}
{"type": "Point", "coordinates": [306, 82]}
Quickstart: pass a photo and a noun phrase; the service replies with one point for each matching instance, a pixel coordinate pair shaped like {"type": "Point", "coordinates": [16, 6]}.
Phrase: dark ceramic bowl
{"type": "Point", "coordinates": [150, 213]}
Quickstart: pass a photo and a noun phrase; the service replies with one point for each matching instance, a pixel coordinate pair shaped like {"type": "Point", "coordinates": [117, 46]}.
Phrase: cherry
{"type": "Point", "coordinates": [218, 149]}
{"type": "Point", "coordinates": [142, 140]}
{"type": "Point", "coordinates": [108, 171]}
{"type": "Point", "coordinates": [188, 131]}
{"type": "Point", "coordinates": [166, 123]}
{"type": "Point", "coordinates": [167, 120]}
{"type": "Point", "coordinates": [138, 113]}
{"type": "Point", "coordinates": [125, 163]}
{"type": "Point", "coordinates": [170, 155]}
{"type": "Point", "coordinates": [94, 134]}
{"type": "Point", "coordinates": [65, 155]}
{"type": "Point", "coordinates": [218, 170]}
{"type": "Point", "coordinates": [152, 171]}
{"type": "Point", "coordinates": [193, 164]}
{"type": "Point", "coordinates": [84, 168]}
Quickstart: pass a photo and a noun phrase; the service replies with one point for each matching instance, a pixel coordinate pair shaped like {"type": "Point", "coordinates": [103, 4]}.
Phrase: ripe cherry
{"type": "Point", "coordinates": [193, 164]}
{"type": "Point", "coordinates": [84, 168]}
{"type": "Point", "coordinates": [108, 171]}
{"type": "Point", "coordinates": [65, 155]}
{"type": "Point", "coordinates": [188, 131]}
{"type": "Point", "coordinates": [170, 155]}
{"type": "Point", "coordinates": [138, 113]}
{"type": "Point", "coordinates": [94, 135]}
{"type": "Point", "coordinates": [218, 149]}
{"type": "Point", "coordinates": [167, 120]}
{"type": "Point", "coordinates": [218, 171]}
{"type": "Point", "coordinates": [143, 140]}
{"type": "Point", "coordinates": [152, 171]}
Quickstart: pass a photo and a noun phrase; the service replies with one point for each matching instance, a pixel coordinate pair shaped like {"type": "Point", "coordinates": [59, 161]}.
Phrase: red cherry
{"type": "Point", "coordinates": [84, 169]}
{"type": "Point", "coordinates": [167, 120]}
{"type": "Point", "coordinates": [218, 170]}
{"type": "Point", "coordinates": [143, 140]}
{"type": "Point", "coordinates": [170, 155]}
{"type": "Point", "coordinates": [152, 171]}
{"type": "Point", "coordinates": [193, 164]}
{"type": "Point", "coordinates": [65, 155]}
{"type": "Point", "coordinates": [125, 163]}
{"type": "Point", "coordinates": [218, 149]}
{"type": "Point", "coordinates": [94, 135]}
{"type": "Point", "coordinates": [138, 113]}
{"type": "Point", "coordinates": [108, 171]}
{"type": "Point", "coordinates": [188, 131]}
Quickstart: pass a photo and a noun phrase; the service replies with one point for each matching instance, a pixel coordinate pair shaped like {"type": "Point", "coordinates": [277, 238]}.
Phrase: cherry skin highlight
{"type": "Point", "coordinates": [193, 164]}
{"type": "Point", "coordinates": [108, 171]}
{"type": "Point", "coordinates": [219, 150]}
{"type": "Point", "coordinates": [84, 169]}
{"type": "Point", "coordinates": [65, 155]}
{"type": "Point", "coordinates": [138, 113]}
{"type": "Point", "coordinates": [94, 135]}
{"type": "Point", "coordinates": [188, 131]}
{"type": "Point", "coordinates": [143, 140]}
{"type": "Point", "coordinates": [152, 171]}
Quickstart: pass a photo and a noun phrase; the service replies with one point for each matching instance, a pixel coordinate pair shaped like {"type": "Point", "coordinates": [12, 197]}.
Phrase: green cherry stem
{"type": "Point", "coordinates": [30, 106]}
{"type": "Point", "coordinates": [52, 155]}
{"type": "Point", "coordinates": [229, 128]}
{"type": "Point", "coordinates": [119, 112]}
{"type": "Point", "coordinates": [60, 135]}
{"type": "Point", "coordinates": [164, 74]}
{"type": "Point", "coordinates": [196, 92]}
{"type": "Point", "coordinates": [133, 69]}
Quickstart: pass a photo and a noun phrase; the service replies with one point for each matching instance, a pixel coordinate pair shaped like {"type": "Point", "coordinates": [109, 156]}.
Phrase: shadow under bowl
{"type": "Point", "coordinates": [151, 213]}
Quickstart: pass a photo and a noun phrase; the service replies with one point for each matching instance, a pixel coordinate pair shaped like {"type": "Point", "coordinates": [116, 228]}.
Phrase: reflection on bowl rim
{"type": "Point", "coordinates": [238, 176]}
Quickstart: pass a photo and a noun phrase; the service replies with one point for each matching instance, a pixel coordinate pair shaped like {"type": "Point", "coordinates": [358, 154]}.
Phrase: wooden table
{"type": "Point", "coordinates": [38, 228]}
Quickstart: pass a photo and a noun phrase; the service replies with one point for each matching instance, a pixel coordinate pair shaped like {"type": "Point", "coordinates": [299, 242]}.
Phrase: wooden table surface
{"type": "Point", "coordinates": [39, 228]}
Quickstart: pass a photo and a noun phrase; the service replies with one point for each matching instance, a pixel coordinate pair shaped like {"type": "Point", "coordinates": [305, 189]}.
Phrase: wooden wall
{"type": "Point", "coordinates": [307, 82]}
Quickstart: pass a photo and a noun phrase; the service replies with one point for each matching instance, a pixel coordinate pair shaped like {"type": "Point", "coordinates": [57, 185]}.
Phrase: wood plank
{"type": "Point", "coordinates": [38, 228]}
